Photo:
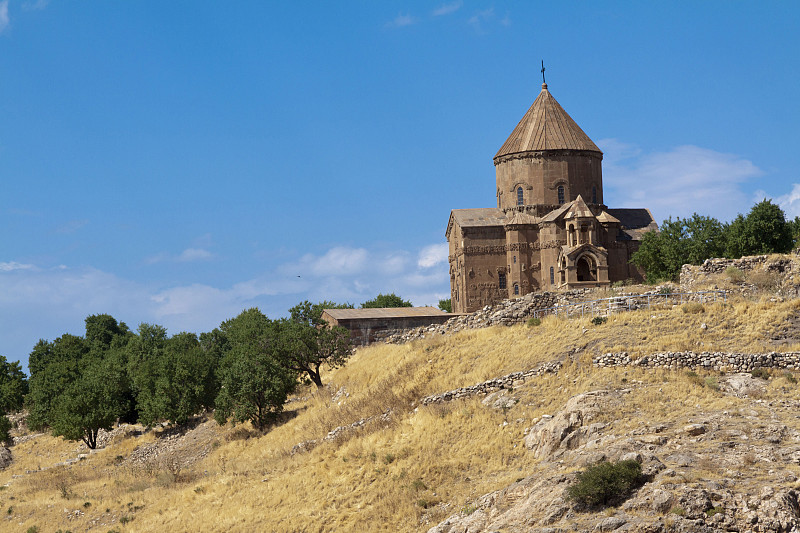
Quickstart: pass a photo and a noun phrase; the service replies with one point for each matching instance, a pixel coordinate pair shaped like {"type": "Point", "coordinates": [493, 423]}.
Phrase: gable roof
{"type": "Point", "coordinates": [383, 312]}
{"type": "Point", "coordinates": [635, 222]}
{"type": "Point", "coordinates": [484, 216]}
{"type": "Point", "coordinates": [546, 126]}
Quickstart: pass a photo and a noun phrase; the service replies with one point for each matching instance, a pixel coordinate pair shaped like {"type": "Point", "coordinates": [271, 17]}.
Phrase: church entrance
{"type": "Point", "coordinates": [586, 269]}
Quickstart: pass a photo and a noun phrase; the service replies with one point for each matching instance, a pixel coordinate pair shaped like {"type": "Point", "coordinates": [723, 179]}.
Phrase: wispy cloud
{"type": "Point", "coordinates": [71, 226]}
{"type": "Point", "coordinates": [38, 302]}
{"type": "Point", "coordinates": [480, 18]}
{"type": "Point", "coordinates": [186, 256]}
{"type": "Point", "coordinates": [677, 182]}
{"type": "Point", "coordinates": [789, 202]}
{"type": "Point", "coordinates": [194, 254]}
{"type": "Point", "coordinates": [36, 5]}
{"type": "Point", "coordinates": [401, 21]}
{"type": "Point", "coordinates": [432, 255]}
{"type": "Point", "coordinates": [446, 9]}
{"type": "Point", "coordinates": [13, 265]}
{"type": "Point", "coordinates": [4, 20]}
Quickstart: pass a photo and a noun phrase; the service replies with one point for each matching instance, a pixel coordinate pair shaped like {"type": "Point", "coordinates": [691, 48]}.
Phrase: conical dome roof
{"type": "Point", "coordinates": [546, 126]}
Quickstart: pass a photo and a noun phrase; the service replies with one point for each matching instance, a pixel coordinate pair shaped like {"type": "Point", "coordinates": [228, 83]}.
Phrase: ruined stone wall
{"type": "Point", "coordinates": [730, 362]}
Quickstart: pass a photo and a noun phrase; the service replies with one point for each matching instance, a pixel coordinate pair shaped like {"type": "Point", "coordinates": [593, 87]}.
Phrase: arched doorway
{"type": "Point", "coordinates": [586, 269]}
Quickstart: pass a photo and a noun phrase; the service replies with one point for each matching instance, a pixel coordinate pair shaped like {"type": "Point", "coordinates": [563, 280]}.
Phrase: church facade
{"type": "Point", "coordinates": [550, 228]}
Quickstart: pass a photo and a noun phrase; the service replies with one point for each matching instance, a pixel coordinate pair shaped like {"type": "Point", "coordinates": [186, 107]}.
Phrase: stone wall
{"type": "Point", "coordinates": [505, 313]}
{"type": "Point", "coordinates": [784, 269]}
{"type": "Point", "coordinates": [510, 381]}
{"type": "Point", "coordinates": [730, 362]}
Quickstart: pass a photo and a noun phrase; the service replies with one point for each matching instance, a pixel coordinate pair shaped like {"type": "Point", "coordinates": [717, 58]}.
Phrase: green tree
{"type": "Point", "coordinates": [54, 367]}
{"type": "Point", "coordinates": [90, 403]}
{"type": "Point", "coordinates": [13, 386]}
{"type": "Point", "coordinates": [385, 300]}
{"type": "Point", "coordinates": [446, 305]}
{"type": "Point", "coordinates": [678, 242]}
{"type": "Point", "coordinates": [253, 385]}
{"type": "Point", "coordinates": [305, 342]}
{"type": "Point", "coordinates": [763, 231]}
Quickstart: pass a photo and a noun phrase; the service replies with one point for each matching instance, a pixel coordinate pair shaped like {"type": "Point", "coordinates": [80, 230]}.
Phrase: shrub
{"type": "Point", "coordinates": [790, 377]}
{"type": "Point", "coordinates": [606, 482]}
{"type": "Point", "coordinates": [665, 290]}
{"type": "Point", "coordinates": [761, 373]}
{"type": "Point", "coordinates": [715, 510]}
{"type": "Point", "coordinates": [599, 320]}
{"type": "Point", "coordinates": [765, 281]}
{"type": "Point", "coordinates": [734, 274]}
{"type": "Point", "coordinates": [678, 511]}
{"type": "Point", "coordinates": [533, 321]}
{"type": "Point", "coordinates": [692, 308]}
{"type": "Point", "coordinates": [5, 428]}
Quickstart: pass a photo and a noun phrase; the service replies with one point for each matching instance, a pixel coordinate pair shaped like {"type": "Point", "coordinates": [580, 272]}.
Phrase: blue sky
{"type": "Point", "coordinates": [177, 162]}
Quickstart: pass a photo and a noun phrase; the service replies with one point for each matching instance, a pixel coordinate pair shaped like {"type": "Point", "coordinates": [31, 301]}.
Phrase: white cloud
{"type": "Point", "coordinates": [446, 9]}
{"type": "Point", "coordinates": [40, 302]}
{"type": "Point", "coordinates": [678, 182]}
{"type": "Point", "coordinates": [402, 21]}
{"type": "Point", "coordinates": [433, 255]}
{"type": "Point", "coordinates": [789, 202]}
{"type": "Point", "coordinates": [13, 265]}
{"type": "Point", "coordinates": [4, 20]}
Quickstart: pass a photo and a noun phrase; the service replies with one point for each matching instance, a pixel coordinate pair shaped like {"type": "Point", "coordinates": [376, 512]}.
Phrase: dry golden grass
{"type": "Point", "coordinates": [403, 474]}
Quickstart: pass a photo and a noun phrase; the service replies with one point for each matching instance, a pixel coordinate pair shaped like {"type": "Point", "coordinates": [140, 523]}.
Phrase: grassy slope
{"type": "Point", "coordinates": [385, 475]}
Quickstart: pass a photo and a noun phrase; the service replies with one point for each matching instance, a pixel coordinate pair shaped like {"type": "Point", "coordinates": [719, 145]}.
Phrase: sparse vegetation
{"type": "Point", "coordinates": [760, 373]}
{"type": "Point", "coordinates": [735, 275]}
{"type": "Point", "coordinates": [692, 308]}
{"type": "Point", "coordinates": [606, 482]}
{"type": "Point", "coordinates": [599, 320]}
{"type": "Point", "coordinates": [533, 322]}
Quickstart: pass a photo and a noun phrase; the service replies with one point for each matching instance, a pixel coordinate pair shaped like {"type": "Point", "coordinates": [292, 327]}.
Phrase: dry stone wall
{"type": "Point", "coordinates": [510, 381]}
{"type": "Point", "coordinates": [505, 313]}
{"type": "Point", "coordinates": [731, 362]}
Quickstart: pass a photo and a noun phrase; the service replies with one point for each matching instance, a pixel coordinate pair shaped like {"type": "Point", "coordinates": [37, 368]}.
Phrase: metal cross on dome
{"type": "Point", "coordinates": [543, 72]}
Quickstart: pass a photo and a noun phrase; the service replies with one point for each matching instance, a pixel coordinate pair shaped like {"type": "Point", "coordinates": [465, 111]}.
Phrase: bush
{"type": "Point", "coordinates": [765, 281]}
{"type": "Point", "coordinates": [665, 290]}
{"type": "Point", "coordinates": [533, 321]}
{"type": "Point", "coordinates": [790, 377]}
{"type": "Point", "coordinates": [599, 320]}
{"type": "Point", "coordinates": [760, 373]}
{"type": "Point", "coordinates": [734, 274]}
{"type": "Point", "coordinates": [606, 482]}
{"type": "Point", "coordinates": [692, 308]}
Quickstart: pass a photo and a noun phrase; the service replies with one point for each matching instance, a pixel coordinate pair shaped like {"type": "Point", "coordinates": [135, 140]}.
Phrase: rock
{"type": "Point", "coordinates": [631, 456]}
{"type": "Point", "coordinates": [657, 440]}
{"type": "Point", "coordinates": [566, 429]}
{"type": "Point", "coordinates": [5, 458]}
{"type": "Point", "coordinates": [662, 501]}
{"type": "Point", "coordinates": [611, 523]}
{"type": "Point", "coordinates": [694, 429]}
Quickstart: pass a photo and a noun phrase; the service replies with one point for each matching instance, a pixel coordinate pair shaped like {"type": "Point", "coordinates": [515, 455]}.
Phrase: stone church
{"type": "Point", "coordinates": [550, 228]}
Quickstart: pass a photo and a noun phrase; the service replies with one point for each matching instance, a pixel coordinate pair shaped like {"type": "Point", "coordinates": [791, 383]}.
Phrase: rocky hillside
{"type": "Point", "coordinates": [470, 430]}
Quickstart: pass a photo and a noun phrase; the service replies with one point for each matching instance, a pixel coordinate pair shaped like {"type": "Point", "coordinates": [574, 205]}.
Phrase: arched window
{"type": "Point", "coordinates": [594, 194]}
{"type": "Point", "coordinates": [560, 194]}
{"type": "Point", "coordinates": [516, 289]}
{"type": "Point", "coordinates": [552, 276]}
{"type": "Point", "coordinates": [501, 279]}
{"type": "Point", "coordinates": [520, 196]}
